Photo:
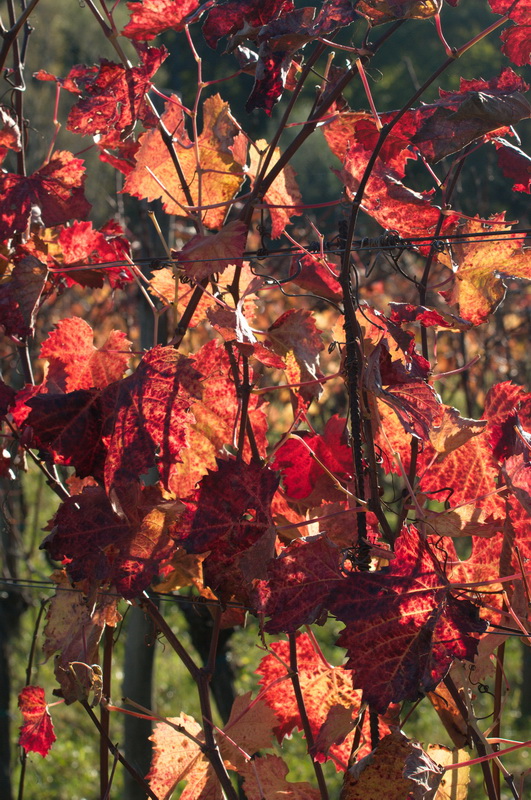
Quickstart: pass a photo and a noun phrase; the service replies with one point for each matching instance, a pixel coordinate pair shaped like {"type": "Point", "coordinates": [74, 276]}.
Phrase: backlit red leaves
{"type": "Point", "coordinates": [36, 734]}
{"type": "Point", "coordinates": [221, 171]}
{"type": "Point", "coordinates": [203, 256]}
{"type": "Point", "coordinates": [478, 288]}
{"type": "Point", "coordinates": [301, 460]}
{"type": "Point", "coordinates": [386, 198]}
{"type": "Point", "coordinates": [226, 19]}
{"type": "Point", "coordinates": [403, 625]}
{"type": "Point", "coordinates": [330, 701]}
{"type": "Point", "coordinates": [151, 17]}
{"type": "Point", "coordinates": [283, 196]}
{"type": "Point", "coordinates": [467, 475]}
{"type": "Point", "coordinates": [151, 415]}
{"type": "Point", "coordinates": [300, 582]}
{"type": "Point", "coordinates": [81, 244]}
{"type": "Point", "coordinates": [74, 361]}
{"type": "Point", "coordinates": [54, 193]}
{"type": "Point", "coordinates": [296, 339]}
{"type": "Point", "coordinates": [515, 164]}
{"type": "Point", "coordinates": [100, 547]}
{"type": "Point", "coordinates": [233, 522]}
{"type": "Point", "coordinates": [20, 297]}
{"type": "Point", "coordinates": [114, 96]}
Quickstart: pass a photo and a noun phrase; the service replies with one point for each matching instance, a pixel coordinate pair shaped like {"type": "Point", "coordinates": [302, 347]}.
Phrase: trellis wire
{"type": "Point", "coordinates": [366, 244]}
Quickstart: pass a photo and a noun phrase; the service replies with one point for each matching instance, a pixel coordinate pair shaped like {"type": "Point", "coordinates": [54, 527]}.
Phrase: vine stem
{"type": "Point", "coordinates": [201, 677]}
{"type": "Point", "coordinates": [463, 710]}
{"type": "Point", "coordinates": [294, 675]}
{"type": "Point", "coordinates": [108, 645]}
{"type": "Point", "coordinates": [116, 752]}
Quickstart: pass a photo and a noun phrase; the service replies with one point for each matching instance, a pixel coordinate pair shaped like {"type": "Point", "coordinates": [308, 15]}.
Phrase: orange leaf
{"type": "Point", "coordinates": [282, 192]}
{"type": "Point", "coordinates": [221, 173]}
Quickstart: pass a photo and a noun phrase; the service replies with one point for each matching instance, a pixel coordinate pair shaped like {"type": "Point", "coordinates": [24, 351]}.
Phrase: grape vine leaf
{"type": "Point", "coordinates": [203, 256]}
{"type": "Point", "coordinates": [74, 625]}
{"type": "Point", "coordinates": [397, 768]}
{"type": "Point", "coordinates": [36, 733]}
{"type": "Point", "coordinates": [155, 176]}
{"type": "Point", "coordinates": [74, 361]}
{"type": "Point", "coordinates": [80, 244]}
{"type": "Point", "coordinates": [331, 703]}
{"type": "Point", "coordinates": [295, 337]}
{"type": "Point", "coordinates": [151, 417]}
{"type": "Point", "coordinates": [152, 17]}
{"type": "Point", "coordinates": [515, 164]}
{"type": "Point", "coordinates": [215, 412]}
{"type": "Point", "coordinates": [228, 18]}
{"type": "Point", "coordinates": [54, 193]}
{"type": "Point", "coordinates": [300, 582]}
{"type": "Point", "coordinates": [403, 625]}
{"type": "Point", "coordinates": [177, 757]}
{"type": "Point", "coordinates": [477, 283]}
{"type": "Point", "coordinates": [300, 459]}
{"type": "Point", "coordinates": [98, 546]}
{"type": "Point", "coordinates": [265, 779]}
{"type": "Point", "coordinates": [20, 297]}
{"type": "Point", "coordinates": [114, 96]}
{"type": "Point", "coordinates": [283, 196]}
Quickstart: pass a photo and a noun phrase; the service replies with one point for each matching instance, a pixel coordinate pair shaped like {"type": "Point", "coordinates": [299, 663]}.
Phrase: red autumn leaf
{"type": "Point", "coordinates": [216, 411]}
{"type": "Point", "coordinates": [155, 177]}
{"type": "Point", "coordinates": [152, 17]}
{"type": "Point", "coordinates": [296, 339]}
{"type": "Point", "coordinates": [402, 313]}
{"type": "Point", "coordinates": [74, 361]}
{"type": "Point", "coordinates": [515, 164]}
{"type": "Point", "coordinates": [203, 256]}
{"type": "Point", "coordinates": [226, 19]}
{"type": "Point", "coordinates": [459, 118]}
{"type": "Point", "coordinates": [404, 626]}
{"type": "Point", "coordinates": [177, 758]}
{"type": "Point", "coordinates": [7, 397]}
{"type": "Point", "coordinates": [100, 547]}
{"type": "Point", "coordinates": [10, 138]}
{"type": "Point", "coordinates": [300, 582]}
{"type": "Point", "coordinates": [54, 193]}
{"type": "Point", "coordinates": [81, 244]}
{"type": "Point", "coordinates": [386, 198]}
{"type": "Point", "coordinates": [315, 275]}
{"type": "Point", "coordinates": [302, 474]}
{"type": "Point", "coordinates": [71, 427]}
{"type": "Point", "coordinates": [234, 327]}
{"type": "Point", "coordinates": [478, 287]}
{"type": "Point", "coordinates": [114, 96]}
{"type": "Point", "coordinates": [233, 504]}
{"type": "Point", "coordinates": [467, 475]}
{"type": "Point", "coordinates": [280, 39]}
{"type": "Point", "coordinates": [331, 702]}
{"type": "Point", "coordinates": [151, 416]}
{"type": "Point", "coordinates": [505, 406]}
{"type": "Point", "coordinates": [397, 768]}
{"type": "Point", "coordinates": [283, 196]}
{"type": "Point", "coordinates": [36, 734]}
{"type": "Point", "coordinates": [250, 725]}
{"type": "Point", "coordinates": [517, 44]}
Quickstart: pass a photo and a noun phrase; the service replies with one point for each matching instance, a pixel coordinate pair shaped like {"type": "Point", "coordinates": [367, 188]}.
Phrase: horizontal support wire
{"type": "Point", "coordinates": [382, 243]}
{"type": "Point", "coordinates": [173, 598]}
